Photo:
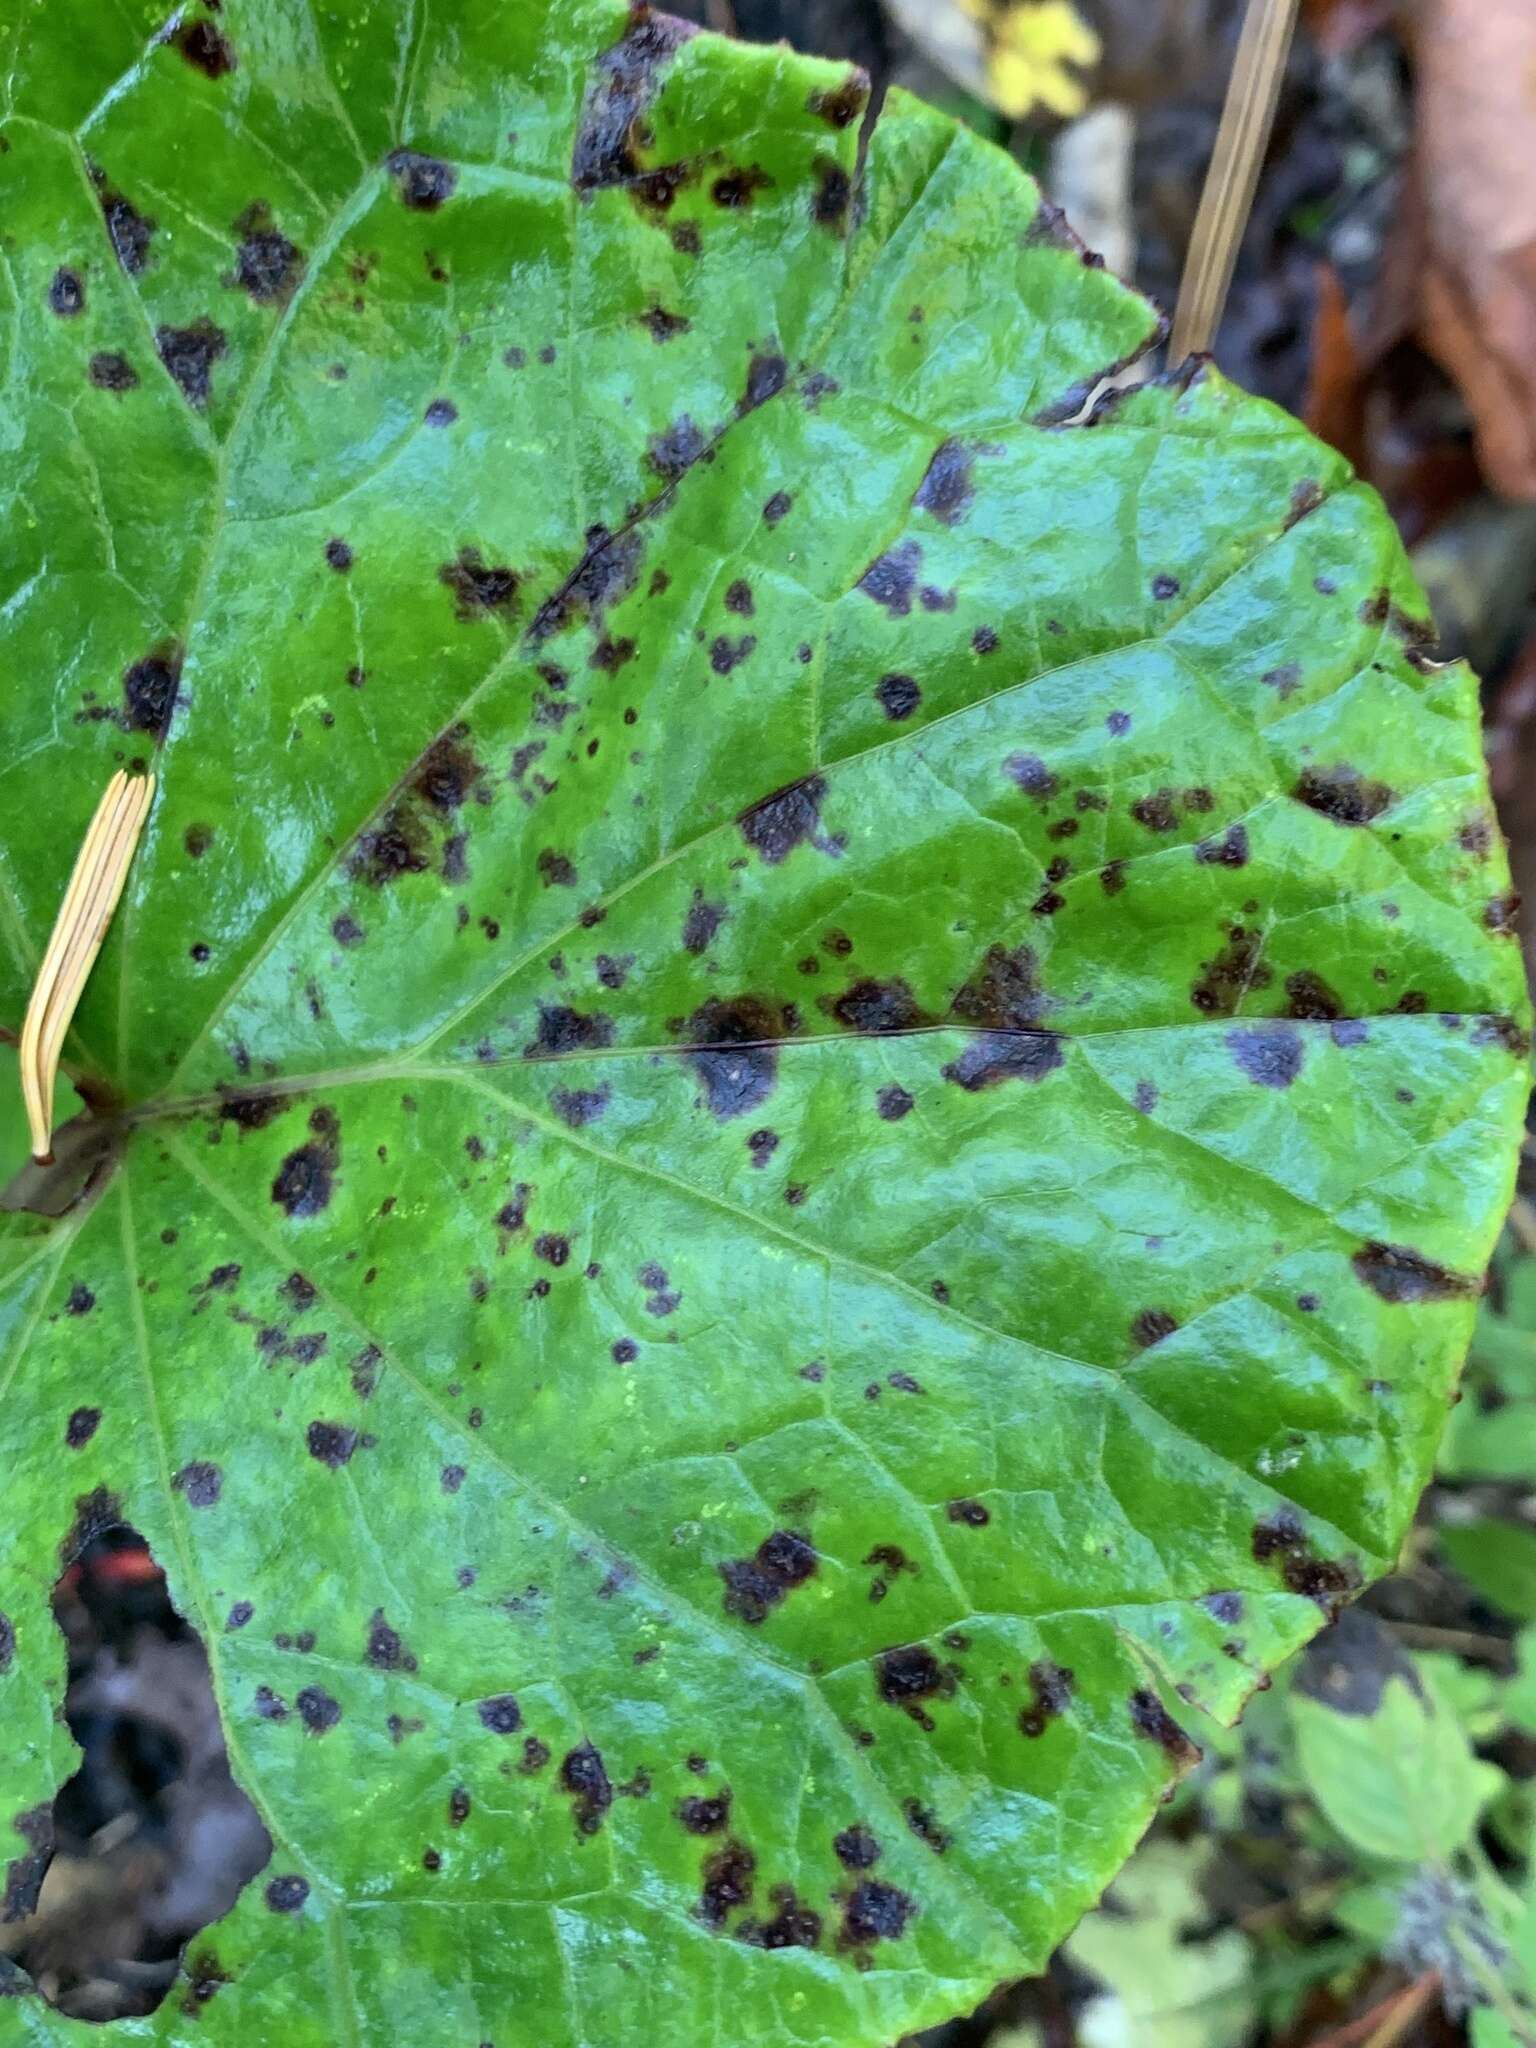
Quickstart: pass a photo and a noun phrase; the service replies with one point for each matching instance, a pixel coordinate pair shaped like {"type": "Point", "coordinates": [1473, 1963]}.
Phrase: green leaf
{"type": "Point", "coordinates": [1386, 1760]}
{"type": "Point", "coordinates": [818, 1072]}
{"type": "Point", "coordinates": [1162, 1987]}
{"type": "Point", "coordinates": [1498, 1559]}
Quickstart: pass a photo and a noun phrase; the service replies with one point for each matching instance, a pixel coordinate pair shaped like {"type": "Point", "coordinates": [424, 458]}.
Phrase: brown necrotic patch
{"type": "Point", "coordinates": [674, 451]}
{"type": "Point", "coordinates": [908, 1676]}
{"type": "Point", "coordinates": [331, 1443]}
{"type": "Point", "coordinates": [129, 230]}
{"type": "Point", "coordinates": [755, 1585]}
{"type": "Point", "coordinates": [383, 1648]}
{"type": "Point", "coordinates": [189, 354]}
{"type": "Point", "coordinates": [1342, 794]}
{"type": "Point", "coordinates": [995, 1057]}
{"type": "Point", "coordinates": [423, 183]}
{"type": "Point", "coordinates": [731, 1047]}
{"type": "Point", "coordinates": [841, 105]}
{"type": "Point", "coordinates": [891, 579]}
{"type": "Point", "coordinates": [1051, 1686]}
{"type": "Point", "coordinates": [564, 1030]}
{"type": "Point", "coordinates": [794, 1924]}
{"type": "Point", "coordinates": [1280, 1538]}
{"type": "Point", "coordinates": [1309, 997]}
{"type": "Point", "coordinates": [875, 1911]}
{"type": "Point", "coordinates": [206, 48]}
{"type": "Point", "coordinates": [584, 1776]}
{"type": "Point", "coordinates": [831, 195]}
{"type": "Point", "coordinates": [268, 266]}
{"type": "Point", "coordinates": [1151, 1719]}
{"type": "Point", "coordinates": [1150, 1326]}
{"type": "Point", "coordinates": [1401, 1275]}
{"type": "Point", "coordinates": [109, 372]}
{"type": "Point", "coordinates": [727, 1882]}
{"type": "Point", "coordinates": [478, 587]}
{"type": "Point", "coordinates": [948, 490]}
{"type": "Point", "coordinates": [623, 84]}
{"type": "Point", "coordinates": [791, 817]}
{"type": "Point", "coordinates": [149, 690]}
{"type": "Point", "coordinates": [701, 923]}
{"type": "Point", "coordinates": [66, 294]}
{"type": "Point", "coordinates": [877, 1006]}
{"type": "Point", "coordinates": [1229, 851]}
{"type": "Point", "coordinates": [898, 696]}
{"type": "Point", "coordinates": [1271, 1055]}
{"type": "Point", "coordinates": [304, 1182]}
{"type": "Point", "coordinates": [1227, 978]}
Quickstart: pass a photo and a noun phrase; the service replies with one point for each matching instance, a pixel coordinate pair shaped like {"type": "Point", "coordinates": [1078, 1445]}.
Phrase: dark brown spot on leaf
{"type": "Point", "coordinates": [1150, 1718]}
{"type": "Point", "coordinates": [1271, 1055]}
{"type": "Point", "coordinates": [948, 490]}
{"type": "Point", "coordinates": [755, 1585]}
{"type": "Point", "coordinates": [891, 579]}
{"type": "Point", "coordinates": [1401, 1275]}
{"type": "Point", "coordinates": [583, 1775]}
{"type": "Point", "coordinates": [189, 353]}
{"type": "Point", "coordinates": [199, 1484]}
{"type": "Point", "coordinates": [423, 183]}
{"type": "Point", "coordinates": [1342, 794]}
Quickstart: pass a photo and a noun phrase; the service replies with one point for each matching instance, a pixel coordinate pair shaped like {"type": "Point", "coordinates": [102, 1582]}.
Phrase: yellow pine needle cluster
{"type": "Point", "coordinates": [1034, 50]}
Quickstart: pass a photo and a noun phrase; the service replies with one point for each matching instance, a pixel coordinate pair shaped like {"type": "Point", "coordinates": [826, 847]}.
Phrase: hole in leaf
{"type": "Point", "coordinates": [151, 1840]}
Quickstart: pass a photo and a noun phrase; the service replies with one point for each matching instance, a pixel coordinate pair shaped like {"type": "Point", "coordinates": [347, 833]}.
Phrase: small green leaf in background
{"type": "Point", "coordinates": [1496, 1557]}
{"type": "Point", "coordinates": [819, 1071]}
{"type": "Point", "coordinates": [1390, 1765]}
{"type": "Point", "coordinates": [1160, 1989]}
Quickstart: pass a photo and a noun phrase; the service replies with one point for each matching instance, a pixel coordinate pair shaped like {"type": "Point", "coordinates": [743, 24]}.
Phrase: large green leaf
{"type": "Point", "coordinates": [818, 1070]}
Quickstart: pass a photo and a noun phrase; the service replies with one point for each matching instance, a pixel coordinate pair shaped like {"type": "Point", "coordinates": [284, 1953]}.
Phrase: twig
{"type": "Point", "coordinates": [1386, 2023]}
{"type": "Point", "coordinates": [1230, 183]}
{"type": "Point", "coordinates": [1460, 1642]}
{"type": "Point", "coordinates": [95, 886]}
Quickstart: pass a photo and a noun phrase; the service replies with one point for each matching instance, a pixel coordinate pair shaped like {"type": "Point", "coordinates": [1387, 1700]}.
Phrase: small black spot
{"type": "Point", "coordinates": [898, 696]}
{"type": "Point", "coordinates": [1343, 794]}
{"type": "Point", "coordinates": [736, 188]}
{"type": "Point", "coordinates": [1164, 587]}
{"type": "Point", "coordinates": [832, 195]}
{"type": "Point", "coordinates": [317, 1710]}
{"type": "Point", "coordinates": [1150, 1326]}
{"type": "Point", "coordinates": [767, 374]}
{"type": "Point", "coordinates": [422, 182]}
{"type": "Point", "coordinates": [206, 48]}
{"type": "Point", "coordinates": [1271, 1055]}
{"type": "Point", "coordinates": [555, 870]}
{"type": "Point", "coordinates": [910, 1674]}
{"type": "Point", "coordinates": [755, 1585]}
{"type": "Point", "coordinates": [501, 1714]}
{"type": "Point", "coordinates": [891, 579]}
{"type": "Point", "coordinates": [189, 353]}
{"type": "Point", "coordinates": [267, 265]}
{"type": "Point", "coordinates": [924, 1824]}
{"type": "Point", "coordinates": [727, 1883]}
{"type": "Point", "coordinates": [442, 412]}
{"type": "Point", "coordinates": [1031, 775]}
{"type": "Point", "coordinates": [81, 1427]}
{"type": "Point", "coordinates": [794, 1924]}
{"type": "Point", "coordinates": [583, 1775]}
{"type": "Point", "coordinates": [339, 555]}
{"type": "Point", "coordinates": [80, 1300]}
{"type": "Point", "coordinates": [66, 294]}
{"type": "Point", "coordinates": [705, 1816]}
{"type": "Point", "coordinates": [663, 326]}
{"type": "Point", "coordinates": [777, 506]}
{"type": "Point", "coordinates": [948, 490]}
{"type": "Point", "coordinates": [1401, 1275]}
{"type": "Point", "coordinates": [625, 1351]}
{"type": "Point", "coordinates": [893, 1103]}
{"type": "Point", "coordinates": [149, 691]}
{"type": "Point", "coordinates": [969, 1513]}
{"type": "Point", "coordinates": [287, 1894]}
{"type": "Point", "coordinates": [1328, 1581]}
{"type": "Point", "coordinates": [199, 1484]}
{"type": "Point", "coordinates": [110, 372]}
{"type": "Point", "coordinates": [875, 1911]}
{"type": "Point", "coordinates": [856, 1848]}
{"type": "Point", "coordinates": [130, 230]}
{"type": "Point", "coordinates": [984, 640]}
{"type": "Point", "coordinates": [384, 1649]}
